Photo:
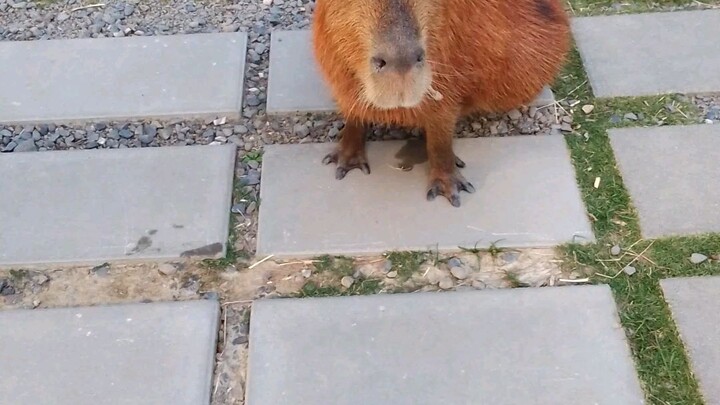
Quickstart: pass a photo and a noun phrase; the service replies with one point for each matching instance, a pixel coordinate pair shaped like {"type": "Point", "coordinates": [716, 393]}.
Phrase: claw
{"type": "Point", "coordinates": [450, 188]}
{"type": "Point", "coordinates": [345, 165]}
{"type": "Point", "coordinates": [459, 163]}
{"type": "Point", "coordinates": [455, 200]}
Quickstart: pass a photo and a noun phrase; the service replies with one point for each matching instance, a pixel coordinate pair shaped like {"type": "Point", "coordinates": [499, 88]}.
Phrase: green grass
{"type": "Point", "coordinates": [595, 7]}
{"type": "Point", "coordinates": [406, 263]}
{"type": "Point", "coordinates": [660, 357]}
{"type": "Point", "coordinates": [361, 286]}
{"type": "Point", "coordinates": [340, 265]}
{"type": "Point", "coordinates": [233, 256]}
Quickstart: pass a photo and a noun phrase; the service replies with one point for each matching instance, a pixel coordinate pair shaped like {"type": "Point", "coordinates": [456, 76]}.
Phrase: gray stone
{"type": "Point", "coordinates": [511, 204]}
{"type": "Point", "coordinates": [460, 273]}
{"type": "Point", "coordinates": [631, 116]}
{"type": "Point", "coordinates": [159, 354]}
{"type": "Point", "coordinates": [431, 348]}
{"type": "Point", "coordinates": [629, 270]}
{"type": "Point", "coordinates": [650, 53]}
{"type": "Point", "coordinates": [295, 83]}
{"type": "Point", "coordinates": [26, 146]}
{"type": "Point", "coordinates": [167, 269]}
{"type": "Point", "coordinates": [10, 146]}
{"type": "Point", "coordinates": [446, 283]}
{"type": "Point", "coordinates": [697, 258]}
{"type": "Point", "coordinates": [695, 308]}
{"type": "Point", "coordinates": [615, 250]}
{"type": "Point", "coordinates": [347, 281]}
{"type": "Point", "coordinates": [155, 214]}
{"type": "Point", "coordinates": [170, 76]}
{"type": "Point", "coordinates": [667, 171]}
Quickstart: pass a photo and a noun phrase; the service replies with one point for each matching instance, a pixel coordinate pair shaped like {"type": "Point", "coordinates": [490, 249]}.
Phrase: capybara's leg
{"type": "Point", "coordinates": [458, 162]}
{"type": "Point", "coordinates": [350, 153]}
{"type": "Point", "coordinates": [445, 177]}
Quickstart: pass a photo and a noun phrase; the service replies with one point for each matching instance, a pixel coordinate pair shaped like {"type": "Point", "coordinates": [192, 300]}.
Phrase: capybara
{"type": "Point", "coordinates": [427, 63]}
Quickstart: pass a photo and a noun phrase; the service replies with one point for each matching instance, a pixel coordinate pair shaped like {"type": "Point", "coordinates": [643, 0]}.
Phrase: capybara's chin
{"type": "Point", "coordinates": [426, 63]}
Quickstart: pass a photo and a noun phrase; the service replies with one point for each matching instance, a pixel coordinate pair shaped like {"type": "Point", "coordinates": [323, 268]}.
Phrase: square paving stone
{"type": "Point", "coordinates": [650, 53]}
{"type": "Point", "coordinates": [672, 175]}
{"type": "Point", "coordinates": [131, 354]}
{"type": "Point", "coordinates": [526, 196]}
{"type": "Point", "coordinates": [131, 204]}
{"type": "Point", "coordinates": [541, 346]}
{"type": "Point", "coordinates": [167, 76]}
{"type": "Point", "coordinates": [695, 306]}
{"type": "Point", "coordinates": [295, 84]}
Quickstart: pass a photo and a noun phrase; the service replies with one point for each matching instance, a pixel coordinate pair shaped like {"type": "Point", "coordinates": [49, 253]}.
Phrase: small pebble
{"type": "Point", "coordinates": [697, 258]}
{"type": "Point", "coordinates": [454, 262]}
{"type": "Point", "coordinates": [446, 283]}
{"type": "Point", "coordinates": [588, 108]}
{"type": "Point", "coordinates": [211, 295]}
{"type": "Point", "coordinates": [629, 270]}
{"type": "Point", "coordinates": [515, 114]}
{"type": "Point", "coordinates": [460, 273]}
{"type": "Point", "coordinates": [392, 274]}
{"type": "Point", "coordinates": [167, 269]}
{"type": "Point", "coordinates": [238, 208]}
{"type": "Point", "coordinates": [306, 273]}
{"type": "Point", "coordinates": [347, 281]}
{"type": "Point", "coordinates": [101, 270]}
{"type": "Point", "coordinates": [388, 266]}
{"type": "Point", "coordinates": [615, 250]}
{"type": "Point", "coordinates": [631, 116]}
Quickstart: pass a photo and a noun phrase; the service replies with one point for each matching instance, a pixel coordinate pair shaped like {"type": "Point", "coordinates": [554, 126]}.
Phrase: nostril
{"type": "Point", "coordinates": [420, 55]}
{"type": "Point", "coordinates": [378, 63]}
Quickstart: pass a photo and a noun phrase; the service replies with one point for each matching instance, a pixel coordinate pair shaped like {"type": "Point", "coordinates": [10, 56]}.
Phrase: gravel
{"type": "Point", "coordinates": [709, 106]}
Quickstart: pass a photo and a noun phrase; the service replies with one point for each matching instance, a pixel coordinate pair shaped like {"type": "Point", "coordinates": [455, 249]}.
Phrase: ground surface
{"type": "Point", "coordinates": [633, 272]}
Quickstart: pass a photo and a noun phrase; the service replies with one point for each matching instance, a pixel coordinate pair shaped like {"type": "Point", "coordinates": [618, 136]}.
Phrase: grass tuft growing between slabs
{"type": "Point", "coordinates": [634, 272]}
{"type": "Point", "coordinates": [602, 7]}
{"type": "Point", "coordinates": [361, 286]}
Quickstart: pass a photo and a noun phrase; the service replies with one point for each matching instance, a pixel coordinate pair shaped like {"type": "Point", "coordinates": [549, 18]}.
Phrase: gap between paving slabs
{"type": "Point", "coordinates": [660, 357]}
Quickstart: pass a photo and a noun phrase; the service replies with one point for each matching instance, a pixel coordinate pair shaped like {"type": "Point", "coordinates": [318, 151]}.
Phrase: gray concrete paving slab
{"type": "Point", "coordinates": [167, 76]}
{"type": "Point", "coordinates": [527, 196]}
{"type": "Point", "coordinates": [650, 53]}
{"type": "Point", "coordinates": [131, 354]}
{"type": "Point", "coordinates": [695, 306]}
{"type": "Point", "coordinates": [542, 346]}
{"type": "Point", "coordinates": [671, 174]}
{"type": "Point", "coordinates": [130, 204]}
{"type": "Point", "coordinates": [295, 84]}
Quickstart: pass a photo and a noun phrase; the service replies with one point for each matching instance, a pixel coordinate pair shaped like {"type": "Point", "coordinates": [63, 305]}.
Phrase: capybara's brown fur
{"type": "Point", "coordinates": [427, 63]}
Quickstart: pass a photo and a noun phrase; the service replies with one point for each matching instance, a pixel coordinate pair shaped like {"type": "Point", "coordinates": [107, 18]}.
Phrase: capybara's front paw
{"type": "Point", "coordinates": [347, 162]}
{"type": "Point", "coordinates": [449, 185]}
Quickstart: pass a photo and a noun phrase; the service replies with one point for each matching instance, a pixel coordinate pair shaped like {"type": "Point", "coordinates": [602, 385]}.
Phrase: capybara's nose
{"type": "Point", "coordinates": [400, 59]}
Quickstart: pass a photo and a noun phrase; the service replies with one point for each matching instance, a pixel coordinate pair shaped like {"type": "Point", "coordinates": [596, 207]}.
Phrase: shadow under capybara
{"type": "Point", "coordinates": [427, 63]}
